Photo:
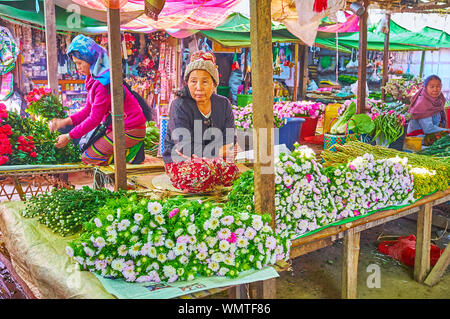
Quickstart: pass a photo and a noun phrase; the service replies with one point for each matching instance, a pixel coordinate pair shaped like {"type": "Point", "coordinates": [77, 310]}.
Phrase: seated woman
{"type": "Point", "coordinates": [200, 132]}
{"type": "Point", "coordinates": [92, 61]}
{"type": "Point", "coordinates": [427, 109]}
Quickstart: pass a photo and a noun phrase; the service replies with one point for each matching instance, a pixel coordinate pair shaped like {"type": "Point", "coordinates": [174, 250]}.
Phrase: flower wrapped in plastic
{"type": "Point", "coordinates": [302, 199]}
{"type": "Point", "coordinates": [366, 184]}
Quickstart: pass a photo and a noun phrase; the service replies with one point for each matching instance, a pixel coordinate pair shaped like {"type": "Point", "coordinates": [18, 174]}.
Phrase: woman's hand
{"type": "Point", "coordinates": [56, 124]}
{"type": "Point", "coordinates": [62, 140]}
{"type": "Point", "coordinates": [227, 151]}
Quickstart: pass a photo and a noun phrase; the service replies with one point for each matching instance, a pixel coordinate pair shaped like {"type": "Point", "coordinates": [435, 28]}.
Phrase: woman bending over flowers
{"type": "Point", "coordinates": [92, 61]}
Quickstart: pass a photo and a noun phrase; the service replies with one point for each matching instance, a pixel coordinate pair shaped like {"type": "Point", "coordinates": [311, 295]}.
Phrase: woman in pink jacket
{"type": "Point", "coordinates": [92, 61]}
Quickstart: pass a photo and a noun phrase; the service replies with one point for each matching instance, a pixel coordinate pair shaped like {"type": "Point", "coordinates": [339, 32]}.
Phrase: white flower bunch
{"type": "Point", "coordinates": [366, 184]}
{"type": "Point", "coordinates": [175, 239]}
{"type": "Point", "coordinates": [302, 198]}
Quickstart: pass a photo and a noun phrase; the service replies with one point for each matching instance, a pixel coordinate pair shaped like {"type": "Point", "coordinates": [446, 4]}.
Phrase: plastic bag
{"type": "Point", "coordinates": [404, 250]}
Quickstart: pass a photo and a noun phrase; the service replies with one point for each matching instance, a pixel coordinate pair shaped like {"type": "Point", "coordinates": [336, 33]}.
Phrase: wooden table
{"type": "Point", "coordinates": [42, 177]}
{"type": "Point", "coordinates": [351, 231]}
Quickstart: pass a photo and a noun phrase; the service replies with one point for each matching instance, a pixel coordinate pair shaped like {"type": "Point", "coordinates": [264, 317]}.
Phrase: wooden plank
{"type": "Point", "coordinates": [362, 63]}
{"type": "Point", "coordinates": [51, 46]}
{"type": "Point", "coordinates": [423, 240]}
{"type": "Point", "coordinates": [239, 292]}
{"type": "Point", "coordinates": [438, 270]}
{"type": "Point", "coordinates": [296, 61]}
{"type": "Point", "coordinates": [386, 56]}
{"type": "Point", "coordinates": [310, 247]}
{"type": "Point", "coordinates": [350, 264]}
{"type": "Point", "coordinates": [23, 285]}
{"type": "Point", "coordinates": [264, 289]}
{"type": "Point", "coordinates": [117, 109]}
{"type": "Point", "coordinates": [19, 188]}
{"type": "Point", "coordinates": [262, 85]}
{"type": "Point", "coordinates": [303, 70]}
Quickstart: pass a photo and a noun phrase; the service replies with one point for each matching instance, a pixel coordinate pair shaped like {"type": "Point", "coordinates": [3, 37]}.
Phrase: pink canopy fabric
{"type": "Point", "coordinates": [351, 25]}
{"type": "Point", "coordinates": [176, 14]}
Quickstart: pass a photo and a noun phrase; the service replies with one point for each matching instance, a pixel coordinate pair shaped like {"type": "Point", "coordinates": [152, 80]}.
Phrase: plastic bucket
{"type": "Point", "coordinates": [308, 128]}
{"type": "Point", "coordinates": [244, 99]}
{"type": "Point", "coordinates": [330, 114]}
{"type": "Point", "coordinates": [288, 134]}
{"type": "Point", "coordinates": [223, 90]}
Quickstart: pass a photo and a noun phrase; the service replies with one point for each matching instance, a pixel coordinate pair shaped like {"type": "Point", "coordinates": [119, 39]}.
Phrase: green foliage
{"type": "Point", "coordinates": [65, 210]}
{"type": "Point", "coordinates": [151, 136]}
{"type": "Point", "coordinates": [362, 123]}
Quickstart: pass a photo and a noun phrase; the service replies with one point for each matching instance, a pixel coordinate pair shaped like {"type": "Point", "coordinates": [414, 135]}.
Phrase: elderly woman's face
{"type": "Point", "coordinates": [434, 88]}
{"type": "Point", "coordinates": [201, 86]}
{"type": "Point", "coordinates": [82, 66]}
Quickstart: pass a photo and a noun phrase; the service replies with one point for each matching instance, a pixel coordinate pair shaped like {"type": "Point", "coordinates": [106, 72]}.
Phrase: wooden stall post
{"type": "Point", "coordinates": [439, 269]}
{"type": "Point", "coordinates": [303, 70]}
{"type": "Point", "coordinates": [115, 57]}
{"type": "Point", "coordinates": [262, 83]}
{"type": "Point", "coordinates": [423, 240]}
{"type": "Point", "coordinates": [422, 63]}
{"type": "Point", "coordinates": [362, 63]}
{"type": "Point", "coordinates": [51, 47]}
{"type": "Point", "coordinates": [350, 264]}
{"type": "Point", "coordinates": [245, 70]}
{"type": "Point", "coordinates": [263, 135]}
{"type": "Point", "coordinates": [296, 59]}
{"type": "Point", "coordinates": [386, 56]}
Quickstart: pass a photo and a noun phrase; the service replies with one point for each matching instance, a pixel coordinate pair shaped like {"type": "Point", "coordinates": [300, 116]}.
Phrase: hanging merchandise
{"type": "Point", "coordinates": [153, 8]}
{"type": "Point", "coordinates": [304, 19]}
{"type": "Point", "coordinates": [277, 64]}
{"type": "Point", "coordinates": [9, 51]}
{"type": "Point", "coordinates": [235, 65]}
{"type": "Point", "coordinates": [6, 86]}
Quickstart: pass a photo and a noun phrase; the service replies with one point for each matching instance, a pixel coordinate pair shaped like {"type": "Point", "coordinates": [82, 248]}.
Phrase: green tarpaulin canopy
{"type": "Point", "coordinates": [235, 32]}
{"type": "Point", "coordinates": [26, 12]}
{"type": "Point", "coordinates": [429, 37]}
{"type": "Point", "coordinates": [375, 40]}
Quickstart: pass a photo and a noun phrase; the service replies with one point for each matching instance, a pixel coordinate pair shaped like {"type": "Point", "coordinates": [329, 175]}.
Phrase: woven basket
{"type": "Point", "coordinates": [331, 139]}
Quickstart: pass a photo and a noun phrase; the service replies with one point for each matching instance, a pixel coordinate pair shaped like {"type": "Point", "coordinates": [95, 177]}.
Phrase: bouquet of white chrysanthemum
{"type": "Point", "coordinates": [175, 239]}
{"type": "Point", "coordinates": [366, 184]}
{"type": "Point", "coordinates": [302, 199]}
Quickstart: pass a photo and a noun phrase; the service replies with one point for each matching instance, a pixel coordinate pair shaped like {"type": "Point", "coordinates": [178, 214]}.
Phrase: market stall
{"type": "Point", "coordinates": [290, 204]}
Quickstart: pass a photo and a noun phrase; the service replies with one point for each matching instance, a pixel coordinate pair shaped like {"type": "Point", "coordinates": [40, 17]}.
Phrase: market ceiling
{"type": "Point", "coordinates": [176, 14]}
{"type": "Point", "coordinates": [416, 6]}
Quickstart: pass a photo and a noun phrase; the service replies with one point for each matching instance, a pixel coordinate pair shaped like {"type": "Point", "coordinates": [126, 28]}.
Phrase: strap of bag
{"type": "Point", "coordinates": [98, 133]}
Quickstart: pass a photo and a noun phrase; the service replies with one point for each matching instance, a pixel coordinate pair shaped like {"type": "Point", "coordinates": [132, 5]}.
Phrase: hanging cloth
{"type": "Point", "coordinates": [320, 5]}
{"type": "Point", "coordinates": [6, 86]}
{"type": "Point", "coordinates": [9, 51]}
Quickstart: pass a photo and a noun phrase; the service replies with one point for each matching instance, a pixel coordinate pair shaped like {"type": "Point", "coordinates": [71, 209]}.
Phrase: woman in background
{"type": "Point", "coordinates": [427, 109]}
{"type": "Point", "coordinates": [92, 61]}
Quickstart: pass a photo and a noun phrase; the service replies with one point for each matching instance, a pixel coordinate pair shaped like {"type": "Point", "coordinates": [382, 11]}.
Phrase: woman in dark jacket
{"type": "Point", "coordinates": [199, 144]}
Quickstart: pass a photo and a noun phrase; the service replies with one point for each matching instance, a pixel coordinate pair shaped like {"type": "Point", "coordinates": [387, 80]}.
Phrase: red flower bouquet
{"type": "Point", "coordinates": [41, 102]}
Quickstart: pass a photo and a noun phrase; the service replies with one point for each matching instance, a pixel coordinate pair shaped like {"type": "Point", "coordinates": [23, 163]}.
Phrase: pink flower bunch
{"type": "Point", "coordinates": [299, 108]}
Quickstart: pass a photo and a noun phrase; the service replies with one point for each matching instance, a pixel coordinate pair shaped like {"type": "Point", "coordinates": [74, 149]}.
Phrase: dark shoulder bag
{"type": "Point", "coordinates": [99, 132]}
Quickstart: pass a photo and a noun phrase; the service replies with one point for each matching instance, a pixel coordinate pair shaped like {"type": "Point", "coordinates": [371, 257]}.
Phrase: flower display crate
{"type": "Point", "coordinates": [287, 134]}
{"type": "Point", "coordinates": [308, 128]}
